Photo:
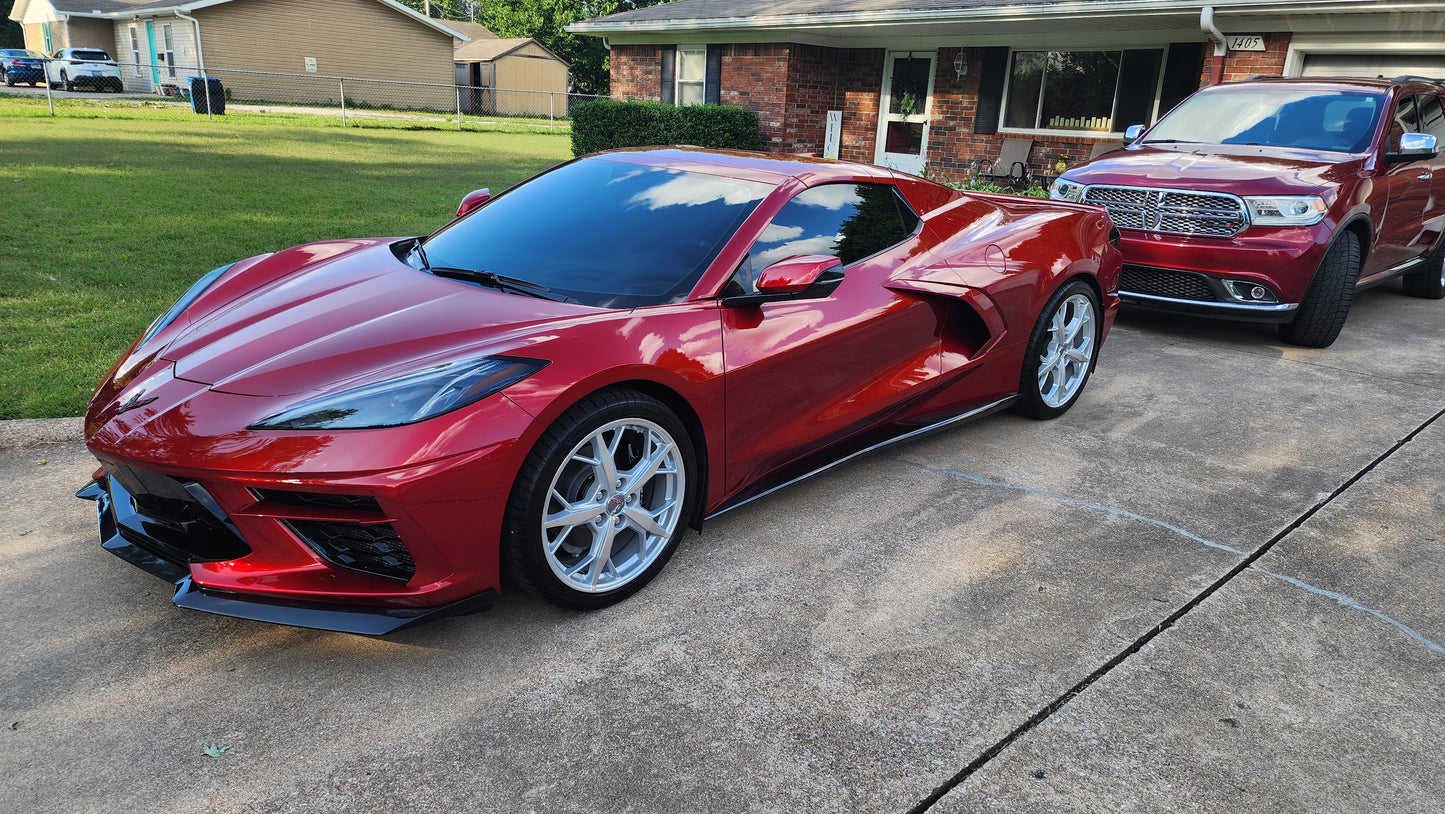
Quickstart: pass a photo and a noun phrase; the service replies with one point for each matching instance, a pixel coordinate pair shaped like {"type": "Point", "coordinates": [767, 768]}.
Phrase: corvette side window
{"type": "Point", "coordinates": [848, 221]}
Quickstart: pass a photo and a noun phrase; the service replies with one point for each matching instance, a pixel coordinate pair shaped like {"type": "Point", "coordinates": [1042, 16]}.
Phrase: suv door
{"type": "Point", "coordinates": [1400, 232]}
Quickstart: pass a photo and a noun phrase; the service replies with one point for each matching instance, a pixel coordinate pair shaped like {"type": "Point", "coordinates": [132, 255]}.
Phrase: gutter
{"type": "Point", "coordinates": [1059, 9]}
{"type": "Point", "coordinates": [200, 54]}
{"type": "Point", "coordinates": [1221, 45]}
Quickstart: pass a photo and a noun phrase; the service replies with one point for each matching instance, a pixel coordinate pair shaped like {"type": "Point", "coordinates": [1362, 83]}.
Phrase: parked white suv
{"type": "Point", "coordinates": [81, 67]}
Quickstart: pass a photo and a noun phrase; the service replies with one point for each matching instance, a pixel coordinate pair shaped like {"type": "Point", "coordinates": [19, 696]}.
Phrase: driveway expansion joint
{"type": "Point", "coordinates": [1047, 711]}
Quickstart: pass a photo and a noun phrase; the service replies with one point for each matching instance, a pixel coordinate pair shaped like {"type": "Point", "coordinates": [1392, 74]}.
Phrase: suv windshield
{"type": "Point", "coordinates": [602, 232]}
{"type": "Point", "coordinates": [1337, 121]}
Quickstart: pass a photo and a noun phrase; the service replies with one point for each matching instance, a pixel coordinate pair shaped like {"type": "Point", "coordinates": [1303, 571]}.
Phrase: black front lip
{"type": "Point", "coordinates": [116, 514]}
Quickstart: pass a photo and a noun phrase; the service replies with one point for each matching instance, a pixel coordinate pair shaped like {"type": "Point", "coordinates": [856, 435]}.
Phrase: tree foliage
{"type": "Point", "coordinates": [546, 22]}
{"type": "Point", "coordinates": [11, 35]}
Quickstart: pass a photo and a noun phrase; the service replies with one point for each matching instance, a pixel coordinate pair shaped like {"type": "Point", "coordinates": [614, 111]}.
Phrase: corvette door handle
{"type": "Point", "coordinates": [1424, 176]}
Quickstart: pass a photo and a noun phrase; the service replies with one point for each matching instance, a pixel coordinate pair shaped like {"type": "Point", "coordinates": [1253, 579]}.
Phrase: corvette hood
{"type": "Point", "coordinates": [360, 314]}
{"type": "Point", "coordinates": [1238, 169]}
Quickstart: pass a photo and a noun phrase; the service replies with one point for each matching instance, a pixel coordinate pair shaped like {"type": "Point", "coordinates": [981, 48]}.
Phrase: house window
{"type": "Point", "coordinates": [170, 48]}
{"type": "Point", "coordinates": [135, 50]}
{"type": "Point", "coordinates": [691, 74]}
{"type": "Point", "coordinates": [1093, 91]}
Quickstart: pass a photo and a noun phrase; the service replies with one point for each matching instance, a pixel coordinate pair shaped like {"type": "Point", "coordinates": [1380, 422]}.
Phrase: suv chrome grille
{"type": "Point", "coordinates": [1172, 211]}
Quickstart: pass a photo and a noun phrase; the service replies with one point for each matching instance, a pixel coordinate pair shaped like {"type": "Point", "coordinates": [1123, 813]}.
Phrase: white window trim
{"type": "Point", "coordinates": [1093, 134]}
{"type": "Point", "coordinates": [1303, 45]}
{"type": "Point", "coordinates": [678, 82]}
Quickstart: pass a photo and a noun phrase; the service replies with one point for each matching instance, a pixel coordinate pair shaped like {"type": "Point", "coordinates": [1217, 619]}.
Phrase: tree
{"type": "Point", "coordinates": [546, 22]}
{"type": "Point", "coordinates": [11, 34]}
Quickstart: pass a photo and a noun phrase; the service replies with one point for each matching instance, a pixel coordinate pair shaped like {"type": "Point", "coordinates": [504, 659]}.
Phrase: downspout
{"type": "Point", "coordinates": [1221, 46]}
{"type": "Point", "coordinates": [200, 55]}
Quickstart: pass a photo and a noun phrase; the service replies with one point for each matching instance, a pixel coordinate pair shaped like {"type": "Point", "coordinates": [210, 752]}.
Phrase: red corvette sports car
{"type": "Point", "coordinates": [357, 435]}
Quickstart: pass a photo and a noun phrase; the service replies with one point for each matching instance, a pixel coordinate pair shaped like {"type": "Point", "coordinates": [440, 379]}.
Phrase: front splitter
{"type": "Point", "coordinates": [362, 620]}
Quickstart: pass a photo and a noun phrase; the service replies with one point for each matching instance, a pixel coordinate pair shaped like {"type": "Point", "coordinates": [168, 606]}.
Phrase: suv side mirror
{"type": "Point", "coordinates": [1133, 132]}
{"type": "Point", "coordinates": [1415, 146]}
{"type": "Point", "coordinates": [473, 200]}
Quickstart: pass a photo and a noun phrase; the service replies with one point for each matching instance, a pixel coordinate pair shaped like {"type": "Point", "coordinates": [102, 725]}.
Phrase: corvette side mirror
{"type": "Point", "coordinates": [474, 200]}
{"type": "Point", "coordinates": [795, 274]}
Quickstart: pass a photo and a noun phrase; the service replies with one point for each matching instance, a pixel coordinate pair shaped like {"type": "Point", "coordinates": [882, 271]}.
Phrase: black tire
{"type": "Point", "coordinates": [9, 81]}
{"type": "Point", "coordinates": [1429, 281]}
{"type": "Point", "coordinates": [65, 81]}
{"type": "Point", "coordinates": [1036, 400]}
{"type": "Point", "coordinates": [554, 468]}
{"type": "Point", "coordinates": [1326, 303]}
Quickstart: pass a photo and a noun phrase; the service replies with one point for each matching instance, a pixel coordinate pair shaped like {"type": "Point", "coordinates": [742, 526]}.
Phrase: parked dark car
{"type": "Point", "coordinates": [1275, 200]}
{"type": "Point", "coordinates": [18, 65]}
{"type": "Point", "coordinates": [84, 68]}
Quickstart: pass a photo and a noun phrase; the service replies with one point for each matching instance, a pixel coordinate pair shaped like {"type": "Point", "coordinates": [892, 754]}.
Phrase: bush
{"type": "Point", "coordinates": [605, 125]}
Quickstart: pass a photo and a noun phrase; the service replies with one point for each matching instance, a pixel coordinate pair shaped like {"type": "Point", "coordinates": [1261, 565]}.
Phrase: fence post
{"type": "Point", "coordinates": [459, 109]}
{"type": "Point", "coordinates": [206, 88]}
{"type": "Point", "coordinates": [551, 112]}
{"type": "Point", "coordinates": [342, 82]}
{"type": "Point", "coordinates": [48, 97]}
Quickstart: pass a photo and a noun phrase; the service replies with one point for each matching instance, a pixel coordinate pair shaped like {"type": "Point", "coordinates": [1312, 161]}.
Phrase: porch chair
{"type": "Point", "coordinates": [1012, 166]}
{"type": "Point", "coordinates": [1104, 147]}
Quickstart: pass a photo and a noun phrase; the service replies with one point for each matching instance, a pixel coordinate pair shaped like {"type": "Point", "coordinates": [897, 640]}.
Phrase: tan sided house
{"type": "Point", "coordinates": [952, 84]}
{"type": "Point", "coordinates": [163, 44]}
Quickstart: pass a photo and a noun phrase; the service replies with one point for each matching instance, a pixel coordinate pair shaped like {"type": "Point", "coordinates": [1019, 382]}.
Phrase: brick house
{"type": "Point", "coordinates": [944, 82]}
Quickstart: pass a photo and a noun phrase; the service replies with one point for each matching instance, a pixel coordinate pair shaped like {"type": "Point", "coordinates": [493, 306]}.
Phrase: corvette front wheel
{"type": "Point", "coordinates": [1060, 354]}
{"type": "Point", "coordinates": [601, 502]}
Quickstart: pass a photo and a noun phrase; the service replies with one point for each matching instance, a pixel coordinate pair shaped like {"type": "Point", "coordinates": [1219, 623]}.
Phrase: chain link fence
{"type": "Point", "coordinates": [352, 100]}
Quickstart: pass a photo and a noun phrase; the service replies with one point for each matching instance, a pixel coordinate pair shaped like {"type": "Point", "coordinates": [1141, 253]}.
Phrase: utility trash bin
{"type": "Point", "coordinates": [207, 89]}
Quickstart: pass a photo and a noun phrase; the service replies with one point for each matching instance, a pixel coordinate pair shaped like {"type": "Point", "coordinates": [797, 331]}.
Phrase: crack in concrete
{"type": "Point", "coordinates": [1342, 599]}
{"type": "Point", "coordinates": [1068, 695]}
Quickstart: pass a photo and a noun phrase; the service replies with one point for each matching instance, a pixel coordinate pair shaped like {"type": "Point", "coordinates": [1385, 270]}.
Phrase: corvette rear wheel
{"type": "Point", "coordinates": [1060, 354]}
{"type": "Point", "coordinates": [601, 501]}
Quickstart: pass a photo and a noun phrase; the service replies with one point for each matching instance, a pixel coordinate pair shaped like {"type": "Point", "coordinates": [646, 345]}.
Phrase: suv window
{"type": "Point", "coordinates": [848, 221]}
{"type": "Point", "coordinates": [90, 56]}
{"type": "Point", "coordinates": [1431, 117]}
{"type": "Point", "coordinates": [1338, 121]}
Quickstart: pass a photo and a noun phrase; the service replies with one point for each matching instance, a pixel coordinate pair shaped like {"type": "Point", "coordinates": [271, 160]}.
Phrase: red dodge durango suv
{"type": "Point", "coordinates": [1274, 200]}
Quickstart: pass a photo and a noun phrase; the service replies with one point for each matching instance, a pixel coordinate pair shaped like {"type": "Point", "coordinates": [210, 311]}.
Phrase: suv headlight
{"type": "Point", "coordinates": [405, 399]}
{"type": "Point", "coordinates": [1285, 210]}
{"type": "Point", "coordinates": [1064, 190]}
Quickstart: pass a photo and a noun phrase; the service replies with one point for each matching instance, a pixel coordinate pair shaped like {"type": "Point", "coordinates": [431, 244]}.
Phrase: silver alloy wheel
{"type": "Point", "coordinates": [1064, 363]}
{"type": "Point", "coordinates": [613, 505]}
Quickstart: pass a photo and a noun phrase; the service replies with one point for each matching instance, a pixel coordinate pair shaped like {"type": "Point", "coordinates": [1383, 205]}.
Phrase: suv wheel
{"type": "Point", "coordinates": [1429, 281]}
{"type": "Point", "coordinates": [1322, 313]}
{"type": "Point", "coordinates": [65, 80]}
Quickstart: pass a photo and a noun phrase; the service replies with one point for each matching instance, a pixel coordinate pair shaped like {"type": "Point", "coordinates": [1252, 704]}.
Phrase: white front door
{"type": "Point", "coordinates": [904, 108]}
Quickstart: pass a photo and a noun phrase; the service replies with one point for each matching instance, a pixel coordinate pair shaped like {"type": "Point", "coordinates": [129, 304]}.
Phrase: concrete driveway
{"type": "Point", "coordinates": [1213, 586]}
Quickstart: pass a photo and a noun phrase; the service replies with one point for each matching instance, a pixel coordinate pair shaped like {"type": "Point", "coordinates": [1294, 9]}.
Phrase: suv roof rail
{"type": "Point", "coordinates": [1413, 78]}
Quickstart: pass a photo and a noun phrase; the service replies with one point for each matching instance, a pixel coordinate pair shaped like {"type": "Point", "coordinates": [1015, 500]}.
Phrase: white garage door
{"type": "Point", "coordinates": [1370, 65]}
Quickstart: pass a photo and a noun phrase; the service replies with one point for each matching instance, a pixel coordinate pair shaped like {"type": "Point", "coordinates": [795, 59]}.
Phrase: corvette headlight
{"type": "Point", "coordinates": [1285, 210]}
{"type": "Point", "coordinates": [1063, 190]}
{"type": "Point", "coordinates": [183, 303]}
{"type": "Point", "coordinates": [405, 399]}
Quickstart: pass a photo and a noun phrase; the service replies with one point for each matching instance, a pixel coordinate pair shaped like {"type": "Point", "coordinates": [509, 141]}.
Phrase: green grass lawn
{"type": "Point", "coordinates": [110, 211]}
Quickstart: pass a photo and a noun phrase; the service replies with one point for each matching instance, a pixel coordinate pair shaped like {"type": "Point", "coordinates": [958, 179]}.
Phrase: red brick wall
{"type": "Point", "coordinates": [636, 72]}
{"type": "Point", "coordinates": [756, 77]}
{"type": "Point", "coordinates": [1241, 65]}
{"type": "Point", "coordinates": [792, 87]}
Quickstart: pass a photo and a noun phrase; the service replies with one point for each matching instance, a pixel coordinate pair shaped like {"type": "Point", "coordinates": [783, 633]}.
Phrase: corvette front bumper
{"type": "Point", "coordinates": [149, 543]}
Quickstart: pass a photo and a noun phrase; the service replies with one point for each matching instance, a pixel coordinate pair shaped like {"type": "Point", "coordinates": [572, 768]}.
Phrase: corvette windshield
{"type": "Point", "coordinates": [1337, 121]}
{"type": "Point", "coordinates": [601, 232]}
